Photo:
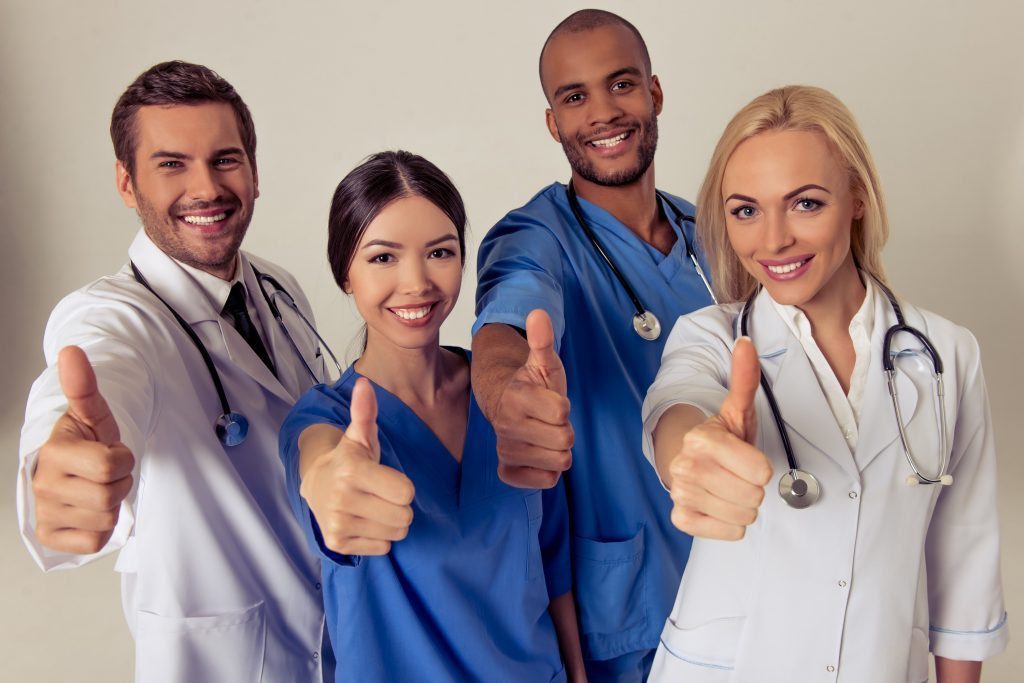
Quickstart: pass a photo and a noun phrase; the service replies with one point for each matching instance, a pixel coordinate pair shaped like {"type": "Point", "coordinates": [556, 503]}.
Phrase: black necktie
{"type": "Point", "coordinates": [236, 311]}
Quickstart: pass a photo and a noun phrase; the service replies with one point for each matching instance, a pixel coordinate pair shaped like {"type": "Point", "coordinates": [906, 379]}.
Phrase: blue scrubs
{"type": "Point", "coordinates": [464, 597]}
{"type": "Point", "coordinates": [627, 556]}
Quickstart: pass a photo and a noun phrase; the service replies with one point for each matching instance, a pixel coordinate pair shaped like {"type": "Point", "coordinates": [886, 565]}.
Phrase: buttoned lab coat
{"type": "Point", "coordinates": [217, 581]}
{"type": "Point", "coordinates": [859, 585]}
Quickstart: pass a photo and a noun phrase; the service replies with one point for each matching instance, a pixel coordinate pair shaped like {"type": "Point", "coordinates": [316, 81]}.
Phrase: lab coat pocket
{"type": "Point", "coordinates": [917, 665]}
{"type": "Point", "coordinates": [702, 653]}
{"type": "Point", "coordinates": [610, 585]}
{"type": "Point", "coordinates": [534, 516]}
{"type": "Point", "coordinates": [223, 647]}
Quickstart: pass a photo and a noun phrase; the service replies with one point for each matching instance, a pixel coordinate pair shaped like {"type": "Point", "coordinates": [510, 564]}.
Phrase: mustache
{"type": "Point", "coordinates": [203, 205]}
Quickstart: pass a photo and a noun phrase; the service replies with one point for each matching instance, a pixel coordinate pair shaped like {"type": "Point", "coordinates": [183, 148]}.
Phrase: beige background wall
{"type": "Point", "coordinates": [936, 87]}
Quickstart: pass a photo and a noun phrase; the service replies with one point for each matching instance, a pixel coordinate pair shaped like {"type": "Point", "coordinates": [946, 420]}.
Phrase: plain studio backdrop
{"type": "Point", "coordinates": [936, 87]}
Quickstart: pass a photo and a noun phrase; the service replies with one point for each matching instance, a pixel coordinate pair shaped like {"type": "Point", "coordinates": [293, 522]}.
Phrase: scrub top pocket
{"type": "Point", "coordinates": [227, 648]}
{"type": "Point", "coordinates": [610, 587]}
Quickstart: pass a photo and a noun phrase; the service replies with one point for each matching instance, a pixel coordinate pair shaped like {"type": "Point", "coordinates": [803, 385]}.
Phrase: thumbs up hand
{"type": "Point", "coordinates": [360, 505]}
{"type": "Point", "coordinates": [83, 471]}
{"type": "Point", "coordinates": [531, 418]}
{"type": "Point", "coordinates": [717, 479]}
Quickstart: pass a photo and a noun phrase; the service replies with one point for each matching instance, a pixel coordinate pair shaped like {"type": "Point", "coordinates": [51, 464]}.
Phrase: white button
{"type": "Point", "coordinates": [316, 655]}
{"type": "Point", "coordinates": [830, 668]}
{"type": "Point", "coordinates": [842, 584]}
{"type": "Point", "coordinates": [848, 434]}
{"type": "Point", "coordinates": [853, 495]}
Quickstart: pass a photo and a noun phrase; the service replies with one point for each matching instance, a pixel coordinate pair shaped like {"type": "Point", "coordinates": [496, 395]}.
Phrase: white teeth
{"type": "Point", "coordinates": [788, 268]}
{"type": "Point", "coordinates": [204, 220]}
{"type": "Point", "coordinates": [608, 142]}
{"type": "Point", "coordinates": [411, 313]}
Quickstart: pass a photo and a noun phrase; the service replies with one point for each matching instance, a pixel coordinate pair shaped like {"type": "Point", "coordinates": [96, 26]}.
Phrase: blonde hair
{"type": "Point", "coordinates": [792, 108]}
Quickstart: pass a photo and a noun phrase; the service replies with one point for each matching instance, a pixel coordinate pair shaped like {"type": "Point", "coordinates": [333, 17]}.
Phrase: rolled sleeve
{"type": "Point", "coordinates": [520, 269]}
{"type": "Point", "coordinates": [967, 614]}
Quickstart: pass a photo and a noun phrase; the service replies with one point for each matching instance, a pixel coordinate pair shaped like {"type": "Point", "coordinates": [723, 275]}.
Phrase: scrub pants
{"type": "Point", "coordinates": [632, 667]}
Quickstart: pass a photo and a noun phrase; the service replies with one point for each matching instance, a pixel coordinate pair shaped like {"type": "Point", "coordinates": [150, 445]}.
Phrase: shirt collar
{"type": "Point", "coordinates": [862, 323]}
{"type": "Point", "coordinates": [215, 289]}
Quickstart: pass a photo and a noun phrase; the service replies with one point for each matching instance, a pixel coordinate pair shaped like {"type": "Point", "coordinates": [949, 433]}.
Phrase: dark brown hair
{"type": "Point", "coordinates": [372, 185]}
{"type": "Point", "coordinates": [171, 83]}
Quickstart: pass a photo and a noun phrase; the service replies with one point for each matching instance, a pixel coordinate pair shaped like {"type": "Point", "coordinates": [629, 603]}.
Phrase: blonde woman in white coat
{"type": "Point", "coordinates": [861, 584]}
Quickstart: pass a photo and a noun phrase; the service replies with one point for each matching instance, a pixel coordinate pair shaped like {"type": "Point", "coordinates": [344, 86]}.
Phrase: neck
{"type": "Point", "coordinates": [414, 375]}
{"type": "Point", "coordinates": [834, 307]}
{"type": "Point", "coordinates": [634, 205]}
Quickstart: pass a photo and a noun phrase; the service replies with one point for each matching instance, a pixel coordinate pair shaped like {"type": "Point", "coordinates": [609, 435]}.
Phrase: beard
{"type": "Point", "coordinates": [582, 166]}
{"type": "Point", "coordinates": [208, 256]}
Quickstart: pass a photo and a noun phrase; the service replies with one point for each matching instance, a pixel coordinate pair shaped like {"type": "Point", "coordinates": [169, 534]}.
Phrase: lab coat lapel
{"type": "Point", "coordinates": [877, 428]}
{"type": "Point", "coordinates": [803, 405]}
{"type": "Point", "coordinates": [292, 377]}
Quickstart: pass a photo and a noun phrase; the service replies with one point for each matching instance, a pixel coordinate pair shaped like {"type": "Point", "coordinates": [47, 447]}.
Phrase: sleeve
{"type": "Point", "coordinates": [320, 405]}
{"type": "Point", "coordinates": [554, 540]}
{"type": "Point", "coordinates": [113, 336]}
{"type": "Point", "coordinates": [965, 595]}
{"type": "Point", "coordinates": [694, 370]}
{"type": "Point", "coordinates": [519, 269]}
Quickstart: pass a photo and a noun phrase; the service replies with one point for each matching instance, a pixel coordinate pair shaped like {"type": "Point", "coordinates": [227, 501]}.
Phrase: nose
{"type": "Point", "coordinates": [202, 184]}
{"type": "Point", "coordinates": [604, 108]}
{"type": "Point", "coordinates": [414, 279]}
{"type": "Point", "coordinates": [777, 233]}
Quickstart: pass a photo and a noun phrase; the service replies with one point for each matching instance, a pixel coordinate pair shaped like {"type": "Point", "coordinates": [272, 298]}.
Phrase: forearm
{"type": "Point", "coordinates": [314, 442]}
{"type": "Point", "coordinates": [498, 352]}
{"type": "Point", "coordinates": [669, 434]}
{"type": "Point", "coordinates": [563, 614]}
{"type": "Point", "coordinates": [957, 670]}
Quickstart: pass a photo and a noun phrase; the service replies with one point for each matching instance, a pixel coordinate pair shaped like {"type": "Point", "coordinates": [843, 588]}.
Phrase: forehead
{"type": "Point", "coordinates": [776, 162]}
{"type": "Point", "coordinates": [409, 220]}
{"type": "Point", "coordinates": [589, 55]}
{"type": "Point", "coordinates": [190, 129]}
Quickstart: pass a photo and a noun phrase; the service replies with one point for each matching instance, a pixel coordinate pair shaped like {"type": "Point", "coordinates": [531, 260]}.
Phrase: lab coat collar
{"type": "Point", "coordinates": [179, 289]}
{"type": "Point", "coordinates": [803, 405]}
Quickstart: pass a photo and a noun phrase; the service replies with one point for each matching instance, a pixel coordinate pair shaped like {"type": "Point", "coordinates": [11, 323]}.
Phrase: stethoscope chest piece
{"type": "Point", "coordinates": [647, 325]}
{"type": "Point", "coordinates": [232, 428]}
{"type": "Point", "coordinates": [799, 489]}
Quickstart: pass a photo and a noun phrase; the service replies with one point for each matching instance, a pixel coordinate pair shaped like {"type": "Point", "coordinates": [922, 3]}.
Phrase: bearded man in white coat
{"type": "Point", "coordinates": [119, 450]}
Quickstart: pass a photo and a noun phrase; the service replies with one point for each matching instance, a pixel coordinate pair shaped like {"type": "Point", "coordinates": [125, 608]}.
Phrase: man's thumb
{"type": "Point", "coordinates": [85, 403]}
{"type": "Point", "coordinates": [738, 408]}
{"type": "Point", "coordinates": [362, 428]}
{"type": "Point", "coordinates": [540, 336]}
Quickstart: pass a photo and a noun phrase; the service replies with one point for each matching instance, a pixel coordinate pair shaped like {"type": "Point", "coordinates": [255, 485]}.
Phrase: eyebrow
{"type": "Point", "coordinates": [396, 245]}
{"type": "Point", "coordinates": [790, 195]}
{"type": "Point", "coordinates": [626, 71]}
{"type": "Point", "coordinates": [223, 152]}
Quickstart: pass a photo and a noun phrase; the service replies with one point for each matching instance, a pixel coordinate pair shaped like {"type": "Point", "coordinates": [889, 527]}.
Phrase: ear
{"type": "Point", "coordinates": [346, 287]}
{"type": "Point", "coordinates": [858, 208]}
{"type": "Point", "coordinates": [549, 119]}
{"type": "Point", "coordinates": [125, 187]}
{"type": "Point", "coordinates": [255, 183]}
{"type": "Point", "coordinates": [657, 95]}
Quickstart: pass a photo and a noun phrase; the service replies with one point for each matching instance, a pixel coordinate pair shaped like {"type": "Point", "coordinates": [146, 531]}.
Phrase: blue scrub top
{"type": "Point", "coordinates": [627, 556]}
{"type": "Point", "coordinates": [464, 597]}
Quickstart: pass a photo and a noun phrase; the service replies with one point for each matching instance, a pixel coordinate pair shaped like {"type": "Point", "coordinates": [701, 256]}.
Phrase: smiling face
{"type": "Point", "coordinates": [406, 274]}
{"type": "Point", "coordinates": [604, 104]}
{"type": "Point", "coordinates": [789, 213]}
{"type": "Point", "coordinates": [194, 187]}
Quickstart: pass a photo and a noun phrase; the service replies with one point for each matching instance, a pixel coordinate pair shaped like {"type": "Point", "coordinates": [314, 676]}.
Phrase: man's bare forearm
{"type": "Point", "coordinates": [498, 352]}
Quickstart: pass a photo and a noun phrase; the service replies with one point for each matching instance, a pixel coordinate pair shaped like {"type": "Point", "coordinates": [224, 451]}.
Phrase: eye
{"type": "Point", "coordinates": [622, 85]}
{"type": "Point", "coordinates": [806, 204]}
{"type": "Point", "coordinates": [169, 164]}
{"type": "Point", "coordinates": [442, 252]}
{"type": "Point", "coordinates": [382, 258]}
{"type": "Point", "coordinates": [574, 98]}
{"type": "Point", "coordinates": [744, 212]}
{"type": "Point", "coordinates": [226, 162]}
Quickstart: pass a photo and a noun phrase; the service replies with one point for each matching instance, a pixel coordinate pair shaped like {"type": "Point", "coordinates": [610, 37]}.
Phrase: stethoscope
{"type": "Point", "coordinates": [800, 488]}
{"type": "Point", "coordinates": [645, 323]}
{"type": "Point", "coordinates": [232, 427]}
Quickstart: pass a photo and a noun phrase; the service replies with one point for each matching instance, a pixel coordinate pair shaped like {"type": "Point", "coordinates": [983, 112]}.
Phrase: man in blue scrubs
{"type": "Point", "coordinates": [582, 387]}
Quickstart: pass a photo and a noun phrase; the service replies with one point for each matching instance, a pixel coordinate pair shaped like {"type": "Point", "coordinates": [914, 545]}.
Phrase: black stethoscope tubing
{"type": "Point", "coordinates": [680, 216]}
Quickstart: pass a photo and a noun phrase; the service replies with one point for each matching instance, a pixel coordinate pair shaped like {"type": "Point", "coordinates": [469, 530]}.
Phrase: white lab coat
{"type": "Point", "coordinates": [217, 582]}
{"type": "Point", "coordinates": [858, 586]}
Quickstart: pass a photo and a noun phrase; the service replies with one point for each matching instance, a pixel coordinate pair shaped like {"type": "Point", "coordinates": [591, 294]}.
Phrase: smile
{"type": "Point", "coordinates": [205, 220]}
{"type": "Point", "coordinates": [787, 268]}
{"type": "Point", "coordinates": [612, 141]}
{"type": "Point", "coordinates": [413, 313]}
